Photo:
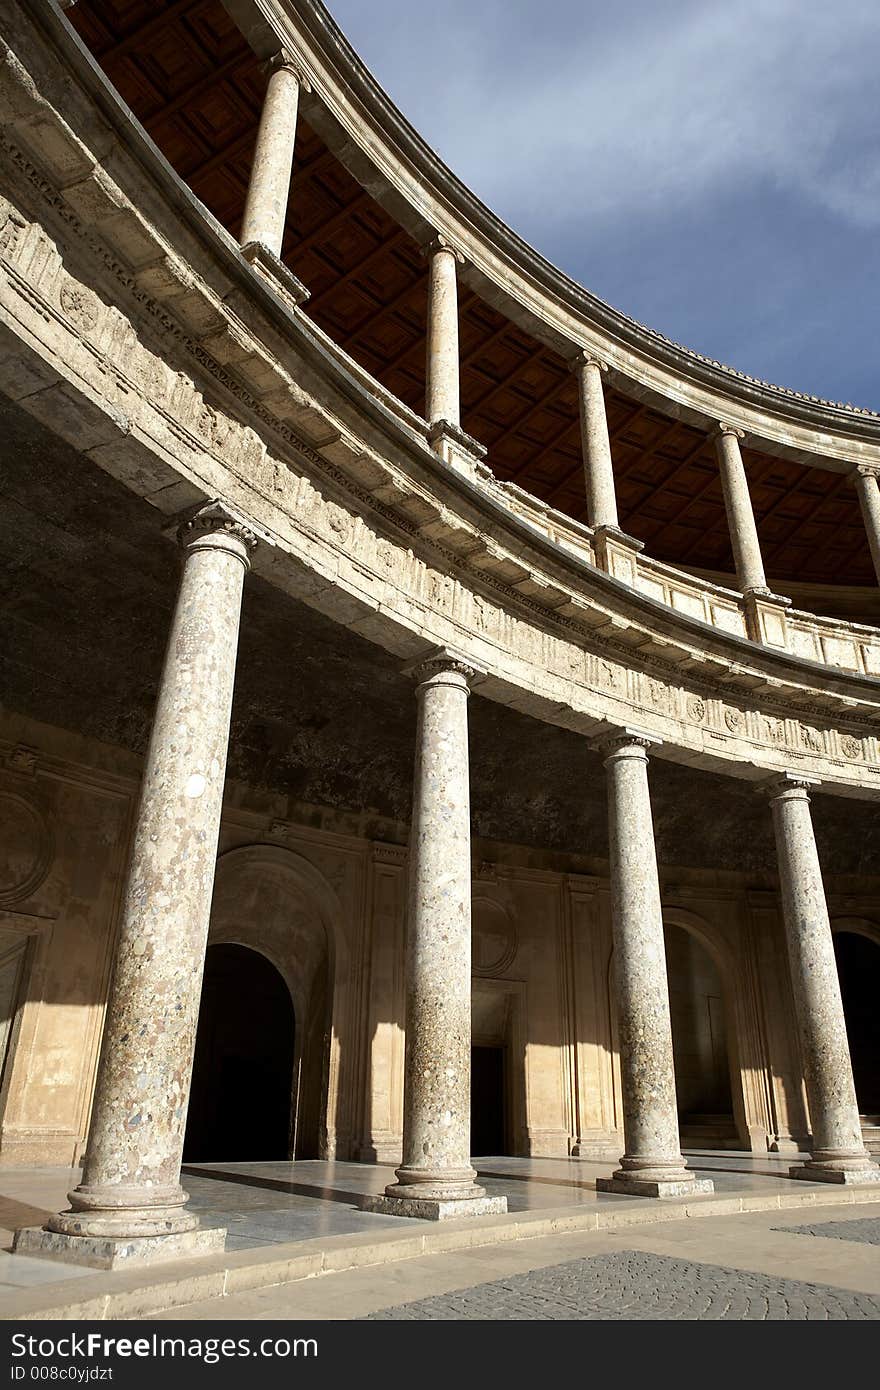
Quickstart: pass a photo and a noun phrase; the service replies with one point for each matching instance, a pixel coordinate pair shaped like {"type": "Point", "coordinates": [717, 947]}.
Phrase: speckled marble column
{"type": "Point", "coordinates": [266, 206]}
{"type": "Point", "coordinates": [441, 368]}
{"type": "Point", "coordinates": [838, 1153]}
{"type": "Point", "coordinates": [595, 444]}
{"type": "Point", "coordinates": [130, 1205]}
{"type": "Point", "coordinates": [652, 1164]}
{"type": "Point", "coordinates": [740, 516]}
{"type": "Point", "coordinates": [865, 478]}
{"type": "Point", "coordinates": [436, 1179]}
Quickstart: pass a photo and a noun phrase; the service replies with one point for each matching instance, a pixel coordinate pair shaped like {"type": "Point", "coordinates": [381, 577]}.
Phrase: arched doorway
{"type": "Point", "coordinates": [242, 1084]}
{"type": "Point", "coordinates": [858, 968]}
{"type": "Point", "coordinates": [700, 1043]}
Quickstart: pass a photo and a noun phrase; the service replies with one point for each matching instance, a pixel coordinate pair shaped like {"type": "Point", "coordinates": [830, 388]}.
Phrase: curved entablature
{"type": "Point", "coordinates": [368, 199]}
{"type": "Point", "coordinates": [567, 313]}
{"type": "Point", "coordinates": [134, 325]}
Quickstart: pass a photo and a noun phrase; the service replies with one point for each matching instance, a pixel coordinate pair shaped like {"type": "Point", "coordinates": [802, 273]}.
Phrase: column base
{"type": "Point", "coordinates": [427, 1208]}
{"type": "Point", "coordinates": [631, 1185]}
{"type": "Point", "coordinates": [107, 1252]}
{"type": "Point", "coordinates": [860, 1175]}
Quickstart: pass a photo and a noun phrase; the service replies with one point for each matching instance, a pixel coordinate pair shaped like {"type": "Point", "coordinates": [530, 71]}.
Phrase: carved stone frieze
{"type": "Point", "coordinates": [421, 558]}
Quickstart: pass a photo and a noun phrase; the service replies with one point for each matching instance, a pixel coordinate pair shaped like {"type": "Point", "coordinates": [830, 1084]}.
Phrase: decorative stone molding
{"type": "Point", "coordinates": [26, 853]}
{"type": "Point", "coordinates": [216, 520]}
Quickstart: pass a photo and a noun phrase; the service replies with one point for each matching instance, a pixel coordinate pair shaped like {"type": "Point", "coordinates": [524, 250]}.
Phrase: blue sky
{"type": "Point", "coordinates": [711, 167]}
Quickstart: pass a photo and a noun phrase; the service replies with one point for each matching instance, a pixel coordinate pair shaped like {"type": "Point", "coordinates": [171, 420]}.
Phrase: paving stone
{"type": "Point", "coordinates": [866, 1230]}
{"type": "Point", "coordinates": [634, 1285]}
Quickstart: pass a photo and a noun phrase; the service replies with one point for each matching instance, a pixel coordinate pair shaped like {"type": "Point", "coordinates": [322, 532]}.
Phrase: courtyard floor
{"type": "Point", "coordinates": [563, 1251]}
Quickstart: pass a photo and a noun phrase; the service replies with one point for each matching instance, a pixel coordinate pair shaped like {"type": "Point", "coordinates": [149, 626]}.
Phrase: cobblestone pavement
{"type": "Point", "coordinates": [867, 1232]}
{"type": "Point", "coordinates": [636, 1285]}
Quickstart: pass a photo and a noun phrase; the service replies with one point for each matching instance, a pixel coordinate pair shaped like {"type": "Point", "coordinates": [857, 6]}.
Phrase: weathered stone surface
{"type": "Point", "coordinates": [652, 1165]}
{"type": "Point", "coordinates": [266, 206]}
{"type": "Point", "coordinates": [436, 1171]}
{"type": "Point", "coordinates": [740, 516]}
{"type": "Point", "coordinates": [131, 1183]}
{"type": "Point", "coordinates": [838, 1153]}
{"type": "Point", "coordinates": [442, 392]}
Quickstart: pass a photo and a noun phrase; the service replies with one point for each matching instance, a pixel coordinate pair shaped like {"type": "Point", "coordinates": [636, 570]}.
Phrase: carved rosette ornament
{"type": "Point", "coordinates": [696, 708]}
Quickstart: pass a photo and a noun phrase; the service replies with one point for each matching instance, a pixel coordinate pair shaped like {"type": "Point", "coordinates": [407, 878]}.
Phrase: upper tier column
{"type": "Point", "coordinates": [266, 207]}
{"type": "Point", "coordinates": [652, 1165]}
{"type": "Point", "coordinates": [442, 368]}
{"type": "Point", "coordinates": [740, 517]}
{"type": "Point", "coordinates": [595, 443]}
{"type": "Point", "coordinates": [130, 1206]}
{"type": "Point", "coordinates": [865, 478]}
{"type": "Point", "coordinates": [838, 1153]}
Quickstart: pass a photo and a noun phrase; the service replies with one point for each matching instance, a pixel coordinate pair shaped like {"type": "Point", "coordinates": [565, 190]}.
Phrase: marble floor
{"type": "Point", "coordinates": [271, 1203]}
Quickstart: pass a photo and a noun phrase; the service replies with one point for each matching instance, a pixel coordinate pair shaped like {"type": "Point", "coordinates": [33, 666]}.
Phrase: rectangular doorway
{"type": "Point", "coordinates": [488, 1101]}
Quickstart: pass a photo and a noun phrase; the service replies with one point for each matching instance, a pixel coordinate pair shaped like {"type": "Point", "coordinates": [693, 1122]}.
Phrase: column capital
{"type": "Point", "coordinates": [626, 741]}
{"type": "Point", "coordinates": [791, 786]}
{"type": "Point", "coordinates": [723, 428]}
{"type": "Point", "coordinates": [215, 524]}
{"type": "Point", "coordinates": [866, 470]}
{"type": "Point", "coordinates": [289, 61]}
{"type": "Point", "coordinates": [439, 242]}
{"type": "Point", "coordinates": [443, 661]}
{"type": "Point", "coordinates": [585, 358]}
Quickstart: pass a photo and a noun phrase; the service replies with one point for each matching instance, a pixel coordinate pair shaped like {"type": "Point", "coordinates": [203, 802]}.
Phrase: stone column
{"type": "Point", "coordinates": [266, 206]}
{"type": "Point", "coordinates": [838, 1153]}
{"type": "Point", "coordinates": [130, 1206]}
{"type": "Point", "coordinates": [595, 444]}
{"type": "Point", "coordinates": [441, 372]}
{"type": "Point", "coordinates": [865, 478]}
{"type": "Point", "coordinates": [740, 517]}
{"type": "Point", "coordinates": [652, 1164]}
{"type": "Point", "coordinates": [436, 1179]}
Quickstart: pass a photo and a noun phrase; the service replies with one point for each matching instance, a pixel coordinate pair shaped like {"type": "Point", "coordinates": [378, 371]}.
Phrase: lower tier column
{"type": "Point", "coordinates": [838, 1153]}
{"type": "Point", "coordinates": [436, 1179]}
{"type": "Point", "coordinates": [130, 1206]}
{"type": "Point", "coordinates": [652, 1164]}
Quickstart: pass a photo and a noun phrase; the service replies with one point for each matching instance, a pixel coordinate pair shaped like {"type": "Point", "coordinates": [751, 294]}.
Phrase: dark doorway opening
{"type": "Point", "coordinates": [699, 1044]}
{"type": "Point", "coordinates": [488, 1109]}
{"type": "Point", "coordinates": [858, 968]}
{"type": "Point", "coordinates": [240, 1103]}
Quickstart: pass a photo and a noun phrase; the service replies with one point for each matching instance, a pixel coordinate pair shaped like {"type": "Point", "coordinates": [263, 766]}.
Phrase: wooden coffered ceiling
{"type": "Point", "coordinates": [196, 87]}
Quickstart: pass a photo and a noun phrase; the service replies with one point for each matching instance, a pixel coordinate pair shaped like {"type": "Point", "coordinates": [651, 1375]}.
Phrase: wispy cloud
{"type": "Point", "coordinates": [592, 128]}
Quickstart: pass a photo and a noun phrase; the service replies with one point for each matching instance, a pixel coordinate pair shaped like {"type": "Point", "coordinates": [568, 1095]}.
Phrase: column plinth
{"type": "Point", "coordinates": [130, 1205]}
{"type": "Point", "coordinates": [435, 1179]}
{"type": "Point", "coordinates": [652, 1164]}
{"type": "Point", "coordinates": [838, 1153]}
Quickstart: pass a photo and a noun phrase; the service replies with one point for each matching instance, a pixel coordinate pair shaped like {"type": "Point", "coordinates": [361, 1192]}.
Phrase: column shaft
{"type": "Point", "coordinates": [131, 1183]}
{"type": "Point", "coordinates": [740, 517]}
{"type": "Point", "coordinates": [838, 1153]}
{"type": "Point", "coordinates": [595, 444]}
{"type": "Point", "coordinates": [436, 1178]}
{"type": "Point", "coordinates": [266, 206]}
{"type": "Point", "coordinates": [652, 1164]}
{"type": "Point", "coordinates": [441, 384]}
{"type": "Point", "coordinates": [869, 500]}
